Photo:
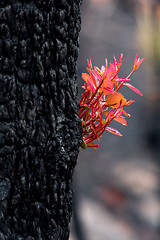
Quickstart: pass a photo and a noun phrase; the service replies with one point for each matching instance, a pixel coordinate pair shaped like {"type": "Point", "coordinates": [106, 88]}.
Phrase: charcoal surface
{"type": "Point", "coordinates": [39, 124]}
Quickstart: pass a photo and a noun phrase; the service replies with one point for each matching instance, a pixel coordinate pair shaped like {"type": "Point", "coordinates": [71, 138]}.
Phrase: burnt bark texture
{"type": "Point", "coordinates": [39, 125]}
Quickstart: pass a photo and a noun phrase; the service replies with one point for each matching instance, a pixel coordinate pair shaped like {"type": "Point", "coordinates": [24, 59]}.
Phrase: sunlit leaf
{"type": "Point", "coordinates": [114, 131]}
{"type": "Point", "coordinates": [125, 113]}
{"type": "Point", "coordinates": [121, 120]}
{"type": "Point", "coordinates": [114, 99]}
{"type": "Point", "coordinates": [120, 60]}
{"type": "Point", "coordinates": [137, 62]}
{"type": "Point", "coordinates": [133, 88]}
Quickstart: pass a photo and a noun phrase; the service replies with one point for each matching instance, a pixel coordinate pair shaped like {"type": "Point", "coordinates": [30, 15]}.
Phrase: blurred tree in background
{"type": "Point", "coordinates": [148, 36]}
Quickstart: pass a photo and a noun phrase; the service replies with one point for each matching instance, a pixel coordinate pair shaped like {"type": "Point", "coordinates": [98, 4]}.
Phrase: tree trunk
{"type": "Point", "coordinates": [39, 124]}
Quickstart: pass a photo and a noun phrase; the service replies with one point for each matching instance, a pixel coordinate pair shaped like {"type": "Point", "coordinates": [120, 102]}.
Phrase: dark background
{"type": "Point", "coordinates": [117, 186]}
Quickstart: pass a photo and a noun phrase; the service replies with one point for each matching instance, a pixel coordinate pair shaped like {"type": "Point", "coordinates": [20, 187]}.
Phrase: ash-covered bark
{"type": "Point", "coordinates": [39, 125]}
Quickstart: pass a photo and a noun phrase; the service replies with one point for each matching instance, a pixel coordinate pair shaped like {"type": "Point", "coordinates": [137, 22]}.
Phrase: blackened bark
{"type": "Point", "coordinates": [39, 125]}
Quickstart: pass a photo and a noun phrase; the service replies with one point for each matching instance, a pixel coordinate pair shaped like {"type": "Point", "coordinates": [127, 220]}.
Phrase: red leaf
{"type": "Point", "coordinates": [133, 88]}
{"type": "Point", "coordinates": [121, 120]}
{"type": "Point", "coordinates": [114, 131]}
{"type": "Point", "coordinates": [93, 145]}
{"type": "Point", "coordinates": [125, 113]}
{"type": "Point", "coordinates": [137, 62]}
{"type": "Point", "coordinates": [120, 60]}
{"type": "Point", "coordinates": [122, 80]}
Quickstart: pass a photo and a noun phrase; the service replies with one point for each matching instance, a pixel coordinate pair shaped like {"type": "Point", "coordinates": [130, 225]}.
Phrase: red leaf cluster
{"type": "Point", "coordinates": [102, 102]}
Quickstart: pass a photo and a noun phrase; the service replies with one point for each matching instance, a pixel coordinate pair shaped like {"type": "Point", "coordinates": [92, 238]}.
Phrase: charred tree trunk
{"type": "Point", "coordinates": [39, 125]}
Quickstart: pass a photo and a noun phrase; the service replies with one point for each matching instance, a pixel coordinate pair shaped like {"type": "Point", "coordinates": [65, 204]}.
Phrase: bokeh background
{"type": "Point", "coordinates": [117, 187]}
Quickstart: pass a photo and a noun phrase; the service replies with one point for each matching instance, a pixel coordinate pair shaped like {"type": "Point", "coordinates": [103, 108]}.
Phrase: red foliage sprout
{"type": "Point", "coordinates": [102, 102]}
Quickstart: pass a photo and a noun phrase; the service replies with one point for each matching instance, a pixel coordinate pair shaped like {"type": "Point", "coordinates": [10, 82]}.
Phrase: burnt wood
{"type": "Point", "coordinates": [39, 124]}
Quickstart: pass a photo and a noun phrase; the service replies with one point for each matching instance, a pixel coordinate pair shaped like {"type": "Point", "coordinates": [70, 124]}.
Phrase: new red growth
{"type": "Point", "coordinates": [102, 102]}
